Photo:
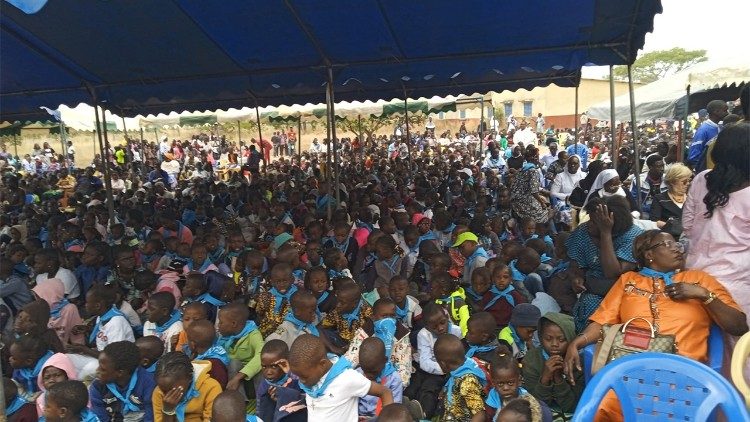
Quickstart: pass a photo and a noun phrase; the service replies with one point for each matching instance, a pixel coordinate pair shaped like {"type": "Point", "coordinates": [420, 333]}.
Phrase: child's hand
{"type": "Point", "coordinates": [283, 364]}
{"type": "Point", "coordinates": [552, 369]}
{"type": "Point", "coordinates": [79, 329]}
{"type": "Point", "coordinates": [173, 341]}
{"type": "Point", "coordinates": [172, 399]}
{"type": "Point", "coordinates": [234, 383]}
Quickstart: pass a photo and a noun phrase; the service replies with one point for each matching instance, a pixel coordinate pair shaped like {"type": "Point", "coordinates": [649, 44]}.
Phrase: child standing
{"type": "Point", "coordinates": [523, 324]}
{"type": "Point", "coordinates": [332, 389]}
{"type": "Point", "coordinates": [185, 390]}
{"type": "Point", "coordinates": [274, 304]}
{"type": "Point", "coordinates": [463, 395]}
{"type": "Point", "coordinates": [279, 394]}
{"type": "Point", "coordinates": [242, 341]}
{"type": "Point", "coordinates": [375, 365]}
{"type": "Point", "coordinates": [301, 319]}
{"type": "Point", "coordinates": [163, 319]}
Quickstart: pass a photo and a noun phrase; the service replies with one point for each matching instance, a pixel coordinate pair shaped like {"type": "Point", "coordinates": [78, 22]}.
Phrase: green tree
{"type": "Point", "coordinates": [658, 64]}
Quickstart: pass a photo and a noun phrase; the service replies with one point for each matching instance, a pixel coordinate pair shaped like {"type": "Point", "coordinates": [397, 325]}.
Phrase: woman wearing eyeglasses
{"type": "Point", "coordinates": [683, 303]}
{"type": "Point", "coordinates": [666, 208]}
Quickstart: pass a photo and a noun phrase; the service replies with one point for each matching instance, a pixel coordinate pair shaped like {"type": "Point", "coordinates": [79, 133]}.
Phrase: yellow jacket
{"type": "Point", "coordinates": [198, 409]}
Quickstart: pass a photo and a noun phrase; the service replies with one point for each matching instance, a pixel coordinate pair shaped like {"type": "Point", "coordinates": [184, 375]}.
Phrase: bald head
{"type": "Point", "coordinates": [202, 333]}
{"type": "Point", "coordinates": [448, 348]}
{"type": "Point", "coordinates": [229, 406]}
{"type": "Point", "coordinates": [237, 310]}
{"type": "Point", "coordinates": [306, 348]}
{"type": "Point", "coordinates": [395, 412]}
{"type": "Point", "coordinates": [150, 347]}
{"type": "Point", "coordinates": [302, 298]}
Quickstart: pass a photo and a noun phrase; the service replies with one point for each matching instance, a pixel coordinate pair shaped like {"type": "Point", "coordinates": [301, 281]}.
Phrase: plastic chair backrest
{"type": "Point", "coordinates": [739, 359]}
{"type": "Point", "coordinates": [658, 387]}
{"type": "Point", "coordinates": [587, 355]}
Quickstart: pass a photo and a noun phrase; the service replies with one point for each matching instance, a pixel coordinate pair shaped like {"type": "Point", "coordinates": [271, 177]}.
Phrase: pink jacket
{"type": "Point", "coordinates": [66, 317]}
{"type": "Point", "coordinates": [60, 361]}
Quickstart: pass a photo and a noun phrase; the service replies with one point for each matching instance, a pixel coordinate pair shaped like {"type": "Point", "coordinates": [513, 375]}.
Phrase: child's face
{"type": "Point", "coordinates": [199, 255]}
{"type": "Point", "coordinates": [525, 333]}
{"type": "Point", "coordinates": [52, 411]}
{"type": "Point", "coordinates": [411, 239]}
{"type": "Point", "coordinates": [506, 381]}
{"type": "Point", "coordinates": [383, 252]}
{"type": "Point", "coordinates": [52, 375]}
{"type": "Point", "coordinates": [156, 313]}
{"type": "Point", "coordinates": [341, 235]}
{"type": "Point", "coordinates": [41, 264]}
{"type": "Point", "coordinates": [18, 257]}
{"type": "Point", "coordinates": [269, 364]}
{"type": "Point", "coordinates": [398, 290]}
{"type": "Point", "coordinates": [528, 229]}
{"type": "Point", "coordinates": [167, 383]}
{"type": "Point", "coordinates": [318, 282]}
{"type": "Point", "coordinates": [467, 248]}
{"type": "Point", "coordinates": [229, 324]}
{"type": "Point", "coordinates": [306, 312]}
{"type": "Point", "coordinates": [281, 281]}
{"type": "Point", "coordinates": [236, 242]}
{"type": "Point", "coordinates": [313, 254]}
{"type": "Point", "coordinates": [385, 311]}
{"type": "Point", "coordinates": [553, 340]}
{"type": "Point", "coordinates": [504, 279]}
{"type": "Point", "coordinates": [340, 262]}
{"type": "Point", "coordinates": [475, 335]}
{"type": "Point", "coordinates": [107, 372]}
{"type": "Point", "coordinates": [23, 323]}
{"type": "Point", "coordinates": [347, 301]}
{"type": "Point", "coordinates": [90, 257]}
{"type": "Point", "coordinates": [480, 284]}
{"type": "Point", "coordinates": [125, 261]}
{"type": "Point", "coordinates": [439, 289]}
{"type": "Point", "coordinates": [193, 287]}
{"type": "Point", "coordinates": [191, 315]}
{"type": "Point", "coordinates": [149, 249]}
{"type": "Point", "coordinates": [255, 265]}
{"type": "Point", "coordinates": [18, 360]}
{"type": "Point", "coordinates": [437, 324]}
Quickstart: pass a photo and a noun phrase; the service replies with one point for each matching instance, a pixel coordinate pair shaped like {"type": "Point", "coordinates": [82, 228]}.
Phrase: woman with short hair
{"type": "Point", "coordinates": [666, 208]}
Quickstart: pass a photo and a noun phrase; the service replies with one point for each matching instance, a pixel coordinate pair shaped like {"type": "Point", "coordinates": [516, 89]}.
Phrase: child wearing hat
{"type": "Point", "coordinates": [468, 244]}
{"type": "Point", "coordinates": [523, 324]}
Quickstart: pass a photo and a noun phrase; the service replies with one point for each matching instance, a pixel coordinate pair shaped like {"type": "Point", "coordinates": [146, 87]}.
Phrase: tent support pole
{"type": "Point", "coordinates": [575, 119]}
{"type": "Point", "coordinates": [481, 128]}
{"type": "Point", "coordinates": [299, 141]}
{"type": "Point", "coordinates": [239, 134]}
{"type": "Point", "coordinates": [64, 151]}
{"type": "Point", "coordinates": [612, 153]}
{"type": "Point", "coordinates": [143, 157]}
{"type": "Point", "coordinates": [333, 135]}
{"type": "Point", "coordinates": [105, 164]}
{"type": "Point", "coordinates": [260, 138]}
{"type": "Point", "coordinates": [408, 132]}
{"type": "Point", "coordinates": [636, 146]}
{"type": "Point", "coordinates": [361, 139]}
{"type": "Point", "coordinates": [15, 148]}
{"type": "Point", "coordinates": [328, 149]}
{"type": "Point", "coordinates": [680, 134]}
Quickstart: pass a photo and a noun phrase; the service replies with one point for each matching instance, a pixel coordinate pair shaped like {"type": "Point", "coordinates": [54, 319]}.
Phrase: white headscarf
{"type": "Point", "coordinates": [603, 177]}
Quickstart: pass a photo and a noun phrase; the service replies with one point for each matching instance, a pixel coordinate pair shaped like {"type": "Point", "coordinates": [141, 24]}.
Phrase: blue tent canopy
{"type": "Point", "coordinates": [161, 56]}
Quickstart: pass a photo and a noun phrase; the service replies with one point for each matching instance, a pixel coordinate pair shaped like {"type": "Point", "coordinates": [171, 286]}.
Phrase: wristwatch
{"type": "Point", "coordinates": [711, 297]}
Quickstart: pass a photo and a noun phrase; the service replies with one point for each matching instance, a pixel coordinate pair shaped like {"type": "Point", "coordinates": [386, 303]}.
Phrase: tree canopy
{"type": "Point", "coordinates": [658, 64]}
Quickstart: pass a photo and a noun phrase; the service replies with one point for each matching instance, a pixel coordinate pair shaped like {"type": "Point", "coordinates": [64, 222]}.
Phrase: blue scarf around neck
{"type": "Point", "coordinates": [190, 394]}
{"type": "Point", "coordinates": [15, 405]}
{"type": "Point", "coordinates": [666, 276]}
{"type": "Point", "coordinates": [496, 402]}
{"type": "Point", "coordinates": [127, 405]}
{"type": "Point", "coordinates": [501, 294]}
{"type": "Point", "coordinates": [341, 365]}
{"type": "Point", "coordinates": [401, 314]}
{"type": "Point", "coordinates": [228, 341]}
{"type": "Point", "coordinates": [210, 299]}
{"type": "Point", "coordinates": [175, 316]}
{"type": "Point", "coordinates": [353, 315]}
{"type": "Point", "coordinates": [55, 311]}
{"type": "Point", "coordinates": [515, 273]}
{"type": "Point", "coordinates": [323, 297]}
{"type": "Point", "coordinates": [28, 376]}
{"type": "Point", "coordinates": [111, 313]}
{"type": "Point", "coordinates": [473, 350]}
{"type": "Point", "coordinates": [301, 325]}
{"type": "Point", "coordinates": [279, 383]}
{"type": "Point", "coordinates": [214, 352]}
{"type": "Point", "coordinates": [280, 297]}
{"type": "Point", "coordinates": [469, 367]}
{"type": "Point", "coordinates": [388, 369]}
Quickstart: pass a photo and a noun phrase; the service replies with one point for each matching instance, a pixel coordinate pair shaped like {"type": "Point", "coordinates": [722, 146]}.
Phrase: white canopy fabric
{"type": "Point", "coordinates": [667, 98]}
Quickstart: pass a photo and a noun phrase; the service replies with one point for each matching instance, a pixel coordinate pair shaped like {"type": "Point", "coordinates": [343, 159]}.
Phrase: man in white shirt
{"type": "Point", "coordinates": [46, 262]}
{"type": "Point", "coordinates": [525, 135]}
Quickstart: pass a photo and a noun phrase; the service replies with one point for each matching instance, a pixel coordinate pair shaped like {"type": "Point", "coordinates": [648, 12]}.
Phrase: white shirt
{"type": "Point", "coordinates": [340, 401]}
{"type": "Point", "coordinates": [149, 329]}
{"type": "Point", "coordinates": [116, 329]}
{"type": "Point", "coordinates": [69, 281]}
{"type": "Point", "coordinates": [130, 314]}
{"type": "Point", "coordinates": [426, 349]}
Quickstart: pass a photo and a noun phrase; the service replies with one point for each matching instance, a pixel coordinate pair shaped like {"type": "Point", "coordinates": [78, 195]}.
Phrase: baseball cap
{"type": "Point", "coordinates": [463, 237]}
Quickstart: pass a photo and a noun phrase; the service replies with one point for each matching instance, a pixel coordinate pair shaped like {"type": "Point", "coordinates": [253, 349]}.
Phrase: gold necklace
{"type": "Point", "coordinates": [674, 198]}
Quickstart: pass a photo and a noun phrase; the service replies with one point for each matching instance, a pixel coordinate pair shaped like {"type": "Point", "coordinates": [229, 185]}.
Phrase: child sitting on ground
{"type": "Point", "coordinates": [389, 264]}
{"type": "Point", "coordinates": [122, 387]}
{"type": "Point", "coordinates": [342, 323]}
{"type": "Point", "coordinates": [185, 391]}
{"type": "Point", "coordinates": [111, 325]}
{"type": "Point", "coordinates": [150, 349]}
{"type": "Point", "coordinates": [163, 319]}
{"type": "Point", "coordinates": [481, 281]}
{"type": "Point", "coordinates": [322, 379]}
{"type": "Point", "coordinates": [279, 394]}
{"type": "Point", "coordinates": [67, 401]}
{"type": "Point", "coordinates": [505, 378]}
{"type": "Point", "coordinates": [288, 254]}
{"type": "Point", "coordinates": [316, 281]}
{"type": "Point", "coordinates": [522, 270]}
{"type": "Point", "coordinates": [56, 369]}
{"type": "Point", "coordinates": [375, 365]}
{"type": "Point", "coordinates": [543, 366]}
{"type": "Point", "coordinates": [17, 408]}
{"type": "Point", "coordinates": [462, 397]}
{"type": "Point", "coordinates": [229, 406]}
{"type": "Point", "coordinates": [32, 320]}
{"type": "Point", "coordinates": [503, 296]}
{"type": "Point", "coordinates": [202, 345]}
{"type": "Point", "coordinates": [94, 268]}
{"type": "Point", "coordinates": [27, 356]}
{"type": "Point", "coordinates": [445, 292]}
{"type": "Point", "coordinates": [301, 319]}
{"type": "Point", "coordinates": [407, 307]}
{"type": "Point", "coordinates": [242, 341]}
{"type": "Point", "coordinates": [199, 260]}
{"type": "Point", "coordinates": [343, 241]}
{"type": "Point", "coordinates": [481, 338]}
{"type": "Point", "coordinates": [429, 378]}
{"type": "Point", "coordinates": [521, 328]}
{"type": "Point", "coordinates": [194, 311]}
{"type": "Point", "coordinates": [249, 273]}
{"type": "Point", "coordinates": [196, 290]}
{"type": "Point", "coordinates": [273, 305]}
{"type": "Point", "coordinates": [63, 314]}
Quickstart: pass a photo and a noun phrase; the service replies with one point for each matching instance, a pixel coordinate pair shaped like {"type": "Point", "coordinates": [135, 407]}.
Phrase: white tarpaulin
{"type": "Point", "coordinates": [668, 97]}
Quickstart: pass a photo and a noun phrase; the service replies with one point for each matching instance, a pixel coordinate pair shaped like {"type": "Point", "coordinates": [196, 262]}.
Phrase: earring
{"type": "Point", "coordinates": [650, 260]}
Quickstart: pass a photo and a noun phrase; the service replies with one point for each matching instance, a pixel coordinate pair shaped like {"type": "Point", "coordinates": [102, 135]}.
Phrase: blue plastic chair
{"type": "Point", "coordinates": [715, 353]}
{"type": "Point", "coordinates": [658, 387]}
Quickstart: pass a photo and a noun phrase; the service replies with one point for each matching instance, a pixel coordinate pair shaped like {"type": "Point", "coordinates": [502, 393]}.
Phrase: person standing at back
{"type": "Point", "coordinates": [708, 130]}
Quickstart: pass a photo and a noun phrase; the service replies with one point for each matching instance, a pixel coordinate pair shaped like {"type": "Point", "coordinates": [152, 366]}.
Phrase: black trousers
{"type": "Point", "coordinates": [425, 388]}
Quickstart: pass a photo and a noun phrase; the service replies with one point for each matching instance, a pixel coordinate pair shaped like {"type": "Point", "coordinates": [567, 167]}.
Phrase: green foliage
{"type": "Point", "coordinates": [658, 64]}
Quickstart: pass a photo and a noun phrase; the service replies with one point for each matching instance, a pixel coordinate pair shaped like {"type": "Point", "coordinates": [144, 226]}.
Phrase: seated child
{"type": "Point", "coordinates": [199, 260]}
{"type": "Point", "coordinates": [242, 341]}
{"type": "Point", "coordinates": [47, 266]}
{"type": "Point", "coordinates": [151, 255]}
{"type": "Point", "coordinates": [522, 270]}
{"type": "Point", "coordinates": [273, 305]}
{"type": "Point", "coordinates": [93, 268]}
{"type": "Point", "coordinates": [505, 376]}
{"type": "Point", "coordinates": [149, 283]}
{"type": "Point", "coordinates": [14, 288]}
{"type": "Point", "coordinates": [383, 325]}
{"type": "Point", "coordinates": [279, 395]}
{"type": "Point", "coordinates": [32, 321]}
{"type": "Point", "coordinates": [17, 408]}
{"type": "Point", "coordinates": [389, 264]}
{"type": "Point", "coordinates": [27, 357]}
{"type": "Point", "coordinates": [511, 251]}
{"type": "Point", "coordinates": [468, 244]}
{"type": "Point", "coordinates": [407, 307]}
{"type": "Point", "coordinates": [235, 246]}
{"type": "Point", "coordinates": [316, 281]}
{"type": "Point", "coordinates": [150, 349]}
{"type": "Point", "coordinates": [375, 365]}
{"type": "Point", "coordinates": [111, 326]}
{"type": "Point", "coordinates": [332, 389]}
{"type": "Point", "coordinates": [481, 338]}
{"type": "Point", "coordinates": [301, 319]}
{"type": "Point", "coordinates": [122, 387]}
{"type": "Point", "coordinates": [56, 369]}
{"type": "Point", "coordinates": [342, 323]}
{"type": "Point", "coordinates": [561, 281]}
{"type": "Point", "coordinates": [479, 287]}
{"type": "Point", "coordinates": [196, 290]}
{"type": "Point", "coordinates": [523, 323]}
{"type": "Point", "coordinates": [336, 264]}
{"type": "Point", "coordinates": [503, 296]}
{"type": "Point", "coordinates": [312, 256]}
{"type": "Point", "coordinates": [462, 397]}
{"type": "Point", "coordinates": [185, 390]}
{"type": "Point", "coordinates": [194, 311]}
{"type": "Point", "coordinates": [447, 293]}
{"type": "Point", "coordinates": [419, 279]}
{"type": "Point", "coordinates": [343, 241]}
{"type": "Point", "coordinates": [229, 406]}
{"type": "Point", "coordinates": [429, 378]}
{"type": "Point", "coordinates": [397, 412]}
{"type": "Point", "coordinates": [68, 401]}
{"type": "Point", "coordinates": [163, 319]}
{"type": "Point", "coordinates": [288, 254]}
{"type": "Point", "coordinates": [543, 365]}
{"type": "Point", "coordinates": [249, 277]}
{"type": "Point", "coordinates": [63, 314]}
{"type": "Point", "coordinates": [202, 345]}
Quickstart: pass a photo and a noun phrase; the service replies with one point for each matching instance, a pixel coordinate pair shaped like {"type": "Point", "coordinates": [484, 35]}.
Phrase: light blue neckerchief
{"type": "Point", "coordinates": [477, 253]}
{"type": "Point", "coordinates": [214, 352]}
{"type": "Point", "coordinates": [501, 294]}
{"type": "Point", "coordinates": [127, 405]}
{"type": "Point", "coordinates": [111, 313]}
{"type": "Point", "coordinates": [401, 314]}
{"type": "Point", "coordinates": [175, 316]}
{"type": "Point", "coordinates": [88, 416]}
{"type": "Point", "coordinates": [353, 315]}
{"type": "Point", "coordinates": [385, 330]}
{"type": "Point", "coordinates": [323, 297]}
{"type": "Point", "coordinates": [301, 325]}
{"type": "Point", "coordinates": [279, 297]}
{"type": "Point", "coordinates": [473, 293]}
{"type": "Point", "coordinates": [210, 299]}
{"type": "Point", "coordinates": [152, 369]}
{"type": "Point", "coordinates": [527, 166]}
{"type": "Point", "coordinates": [468, 367]}
{"type": "Point", "coordinates": [55, 311]}
{"type": "Point", "coordinates": [388, 369]}
{"type": "Point", "coordinates": [480, 349]}
{"type": "Point", "coordinates": [390, 263]}
{"type": "Point", "coordinates": [496, 402]}
{"type": "Point", "coordinates": [15, 405]}
{"type": "Point", "coordinates": [515, 273]}
{"type": "Point", "coordinates": [190, 394]}
{"type": "Point", "coordinates": [281, 382]}
{"type": "Point", "coordinates": [516, 339]}
{"type": "Point", "coordinates": [341, 365]}
{"type": "Point", "coordinates": [666, 276]}
{"type": "Point", "coordinates": [228, 341]}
